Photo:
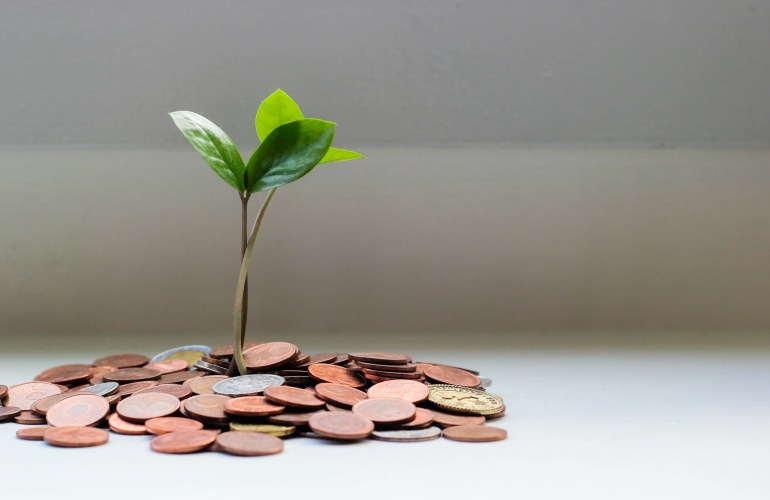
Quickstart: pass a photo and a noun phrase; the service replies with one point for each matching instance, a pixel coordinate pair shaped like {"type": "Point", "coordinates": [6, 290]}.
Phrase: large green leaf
{"type": "Point", "coordinates": [288, 153]}
{"type": "Point", "coordinates": [336, 154]}
{"type": "Point", "coordinates": [214, 145]}
{"type": "Point", "coordinates": [276, 110]}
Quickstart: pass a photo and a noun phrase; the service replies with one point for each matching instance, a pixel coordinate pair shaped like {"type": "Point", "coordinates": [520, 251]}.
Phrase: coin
{"type": "Point", "coordinates": [103, 389]}
{"type": "Point", "coordinates": [342, 359]}
{"type": "Point", "coordinates": [421, 365]}
{"type": "Point", "coordinates": [120, 426]}
{"type": "Point", "coordinates": [164, 425]}
{"type": "Point", "coordinates": [203, 385]}
{"type": "Point", "coordinates": [189, 353]}
{"type": "Point", "coordinates": [270, 355]}
{"type": "Point", "coordinates": [9, 412]}
{"type": "Point", "coordinates": [207, 406]}
{"type": "Point", "coordinates": [294, 398]}
{"type": "Point", "coordinates": [79, 410]}
{"type": "Point", "coordinates": [246, 385]}
{"type": "Point", "coordinates": [75, 437]}
{"type": "Point", "coordinates": [123, 361]}
{"type": "Point", "coordinates": [126, 390]}
{"type": "Point", "coordinates": [253, 406]}
{"type": "Point", "coordinates": [226, 351]}
{"type": "Point", "coordinates": [26, 417]}
{"type": "Point", "coordinates": [177, 390]}
{"type": "Point", "coordinates": [141, 407]}
{"type": "Point", "coordinates": [179, 377]}
{"type": "Point", "coordinates": [332, 407]}
{"type": "Point", "coordinates": [218, 362]}
{"type": "Point", "coordinates": [341, 395]}
{"type": "Point", "coordinates": [475, 433]}
{"type": "Point", "coordinates": [341, 425]}
{"type": "Point", "coordinates": [123, 375]}
{"type": "Point", "coordinates": [485, 382]}
{"type": "Point", "coordinates": [273, 430]}
{"type": "Point", "coordinates": [422, 418]}
{"type": "Point", "coordinates": [66, 374]}
{"type": "Point", "coordinates": [408, 390]}
{"type": "Point", "coordinates": [392, 375]}
{"type": "Point", "coordinates": [41, 406]}
{"type": "Point", "coordinates": [209, 368]}
{"type": "Point", "coordinates": [408, 436]}
{"type": "Point", "coordinates": [32, 433]}
{"type": "Point", "coordinates": [98, 371]}
{"type": "Point", "coordinates": [465, 400]}
{"type": "Point", "coordinates": [3, 391]}
{"type": "Point", "coordinates": [382, 358]}
{"type": "Point", "coordinates": [183, 442]}
{"type": "Point", "coordinates": [249, 444]}
{"type": "Point", "coordinates": [386, 411]}
{"type": "Point", "coordinates": [169, 365]}
{"type": "Point", "coordinates": [23, 395]}
{"type": "Point", "coordinates": [442, 419]}
{"type": "Point", "coordinates": [407, 368]}
{"type": "Point", "coordinates": [336, 375]}
{"type": "Point", "coordinates": [326, 357]}
{"type": "Point", "coordinates": [449, 375]}
{"type": "Point", "coordinates": [292, 419]}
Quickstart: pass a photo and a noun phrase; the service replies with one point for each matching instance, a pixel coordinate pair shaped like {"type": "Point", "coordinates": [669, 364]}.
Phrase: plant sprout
{"type": "Point", "coordinates": [291, 146]}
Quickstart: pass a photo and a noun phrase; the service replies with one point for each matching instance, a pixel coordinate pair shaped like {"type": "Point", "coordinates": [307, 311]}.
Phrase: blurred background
{"type": "Point", "coordinates": [568, 172]}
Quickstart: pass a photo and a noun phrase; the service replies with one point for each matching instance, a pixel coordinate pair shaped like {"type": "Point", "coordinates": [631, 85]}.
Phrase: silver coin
{"type": "Point", "coordinates": [246, 385]}
{"type": "Point", "coordinates": [410, 436]}
{"type": "Point", "coordinates": [104, 389]}
{"type": "Point", "coordinates": [165, 354]}
{"type": "Point", "coordinates": [485, 382]}
{"type": "Point", "coordinates": [210, 367]}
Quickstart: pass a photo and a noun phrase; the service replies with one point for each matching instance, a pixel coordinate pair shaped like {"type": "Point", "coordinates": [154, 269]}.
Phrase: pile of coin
{"type": "Point", "coordinates": [184, 398]}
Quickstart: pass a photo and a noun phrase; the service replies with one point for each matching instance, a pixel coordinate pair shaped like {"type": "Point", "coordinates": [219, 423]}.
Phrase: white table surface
{"type": "Point", "coordinates": [591, 424]}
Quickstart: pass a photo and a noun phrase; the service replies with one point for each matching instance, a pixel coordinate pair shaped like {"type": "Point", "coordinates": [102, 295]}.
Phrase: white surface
{"type": "Point", "coordinates": [582, 425]}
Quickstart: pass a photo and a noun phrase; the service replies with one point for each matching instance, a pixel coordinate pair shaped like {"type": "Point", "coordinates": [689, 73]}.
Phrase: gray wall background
{"type": "Point", "coordinates": [595, 165]}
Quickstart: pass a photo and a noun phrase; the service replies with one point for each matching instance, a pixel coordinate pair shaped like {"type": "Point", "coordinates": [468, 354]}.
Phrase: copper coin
{"type": "Point", "coordinates": [41, 406]}
{"type": "Point", "coordinates": [302, 359]}
{"type": "Point", "coordinates": [218, 362]}
{"type": "Point", "coordinates": [293, 397]}
{"type": "Point", "coordinates": [120, 426]}
{"type": "Point", "coordinates": [249, 444]}
{"type": "Point", "coordinates": [169, 366]}
{"type": "Point", "coordinates": [253, 406]}
{"type": "Point", "coordinates": [142, 407]}
{"type": "Point", "coordinates": [393, 375]}
{"type": "Point", "coordinates": [226, 351]}
{"type": "Point", "coordinates": [408, 368]}
{"type": "Point", "coordinates": [342, 358]}
{"type": "Point", "coordinates": [422, 418]}
{"type": "Point", "coordinates": [450, 375]}
{"type": "Point", "coordinates": [66, 374]}
{"type": "Point", "coordinates": [80, 410]}
{"type": "Point", "coordinates": [382, 358]}
{"type": "Point", "coordinates": [98, 371]}
{"type": "Point", "coordinates": [270, 355]}
{"type": "Point", "coordinates": [336, 375]}
{"type": "Point", "coordinates": [375, 379]}
{"type": "Point", "coordinates": [443, 419]}
{"type": "Point", "coordinates": [126, 390]}
{"type": "Point", "coordinates": [125, 375]}
{"type": "Point", "coordinates": [32, 433]}
{"type": "Point", "coordinates": [164, 425]}
{"type": "Point", "coordinates": [475, 433]}
{"type": "Point", "coordinates": [386, 411]}
{"type": "Point", "coordinates": [3, 391]}
{"type": "Point", "coordinates": [26, 417]}
{"type": "Point", "coordinates": [340, 395]}
{"type": "Point", "coordinates": [9, 412]}
{"type": "Point", "coordinates": [332, 407]}
{"type": "Point", "coordinates": [296, 419]}
{"type": "Point", "coordinates": [75, 437]}
{"type": "Point", "coordinates": [203, 385]}
{"type": "Point", "coordinates": [208, 406]}
{"type": "Point", "coordinates": [425, 364]}
{"type": "Point", "coordinates": [179, 377]}
{"type": "Point", "coordinates": [408, 390]}
{"type": "Point", "coordinates": [23, 395]}
{"type": "Point", "coordinates": [177, 390]}
{"type": "Point", "coordinates": [341, 425]}
{"type": "Point", "coordinates": [183, 442]}
{"type": "Point", "coordinates": [97, 379]}
{"type": "Point", "coordinates": [123, 361]}
{"type": "Point", "coordinates": [326, 357]}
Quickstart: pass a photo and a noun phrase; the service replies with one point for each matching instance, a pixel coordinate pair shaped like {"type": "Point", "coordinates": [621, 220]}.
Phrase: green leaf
{"type": "Point", "coordinates": [276, 110]}
{"type": "Point", "coordinates": [214, 145]}
{"type": "Point", "coordinates": [336, 154]}
{"type": "Point", "coordinates": [288, 153]}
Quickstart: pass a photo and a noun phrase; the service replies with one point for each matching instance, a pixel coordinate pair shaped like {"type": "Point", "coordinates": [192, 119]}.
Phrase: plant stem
{"type": "Point", "coordinates": [239, 327]}
{"type": "Point", "coordinates": [245, 311]}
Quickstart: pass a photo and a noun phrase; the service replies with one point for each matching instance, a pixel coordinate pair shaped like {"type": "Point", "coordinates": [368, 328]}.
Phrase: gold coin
{"type": "Point", "coordinates": [191, 357]}
{"type": "Point", "coordinates": [273, 430]}
{"type": "Point", "coordinates": [461, 399]}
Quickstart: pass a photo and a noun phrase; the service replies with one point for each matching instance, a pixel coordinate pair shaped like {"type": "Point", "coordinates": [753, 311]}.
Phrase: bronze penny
{"type": "Point", "coordinates": [32, 433]}
{"type": "Point", "coordinates": [226, 351]}
{"type": "Point", "coordinates": [331, 407]}
{"type": "Point", "coordinates": [382, 358]}
{"type": "Point", "coordinates": [41, 406]}
{"type": "Point", "coordinates": [124, 375]}
{"type": "Point", "coordinates": [423, 418]}
{"type": "Point", "coordinates": [386, 411]}
{"type": "Point", "coordinates": [408, 368]}
{"type": "Point", "coordinates": [203, 385]}
{"type": "Point", "coordinates": [126, 390]}
{"type": "Point", "coordinates": [75, 437]}
{"type": "Point", "coordinates": [293, 397]}
{"type": "Point", "coordinates": [376, 379]}
{"type": "Point", "coordinates": [164, 425]}
{"type": "Point", "coordinates": [340, 395]}
{"type": "Point", "coordinates": [183, 442]}
{"type": "Point", "coordinates": [443, 419]}
{"type": "Point", "coordinates": [177, 390]}
{"type": "Point", "coordinates": [96, 380]}
{"type": "Point", "coordinates": [440, 374]}
{"type": "Point", "coordinates": [3, 391]}
{"type": "Point", "coordinates": [249, 444]}
{"type": "Point", "coordinates": [408, 390]}
{"type": "Point", "coordinates": [120, 426]}
{"type": "Point", "coordinates": [66, 374]}
{"type": "Point", "coordinates": [26, 417]}
{"type": "Point", "coordinates": [425, 364]}
{"type": "Point", "coordinates": [9, 412]}
{"type": "Point", "coordinates": [342, 358]}
{"type": "Point", "coordinates": [336, 375]}
{"type": "Point", "coordinates": [23, 395]}
{"type": "Point", "coordinates": [293, 419]}
{"type": "Point", "coordinates": [270, 355]}
{"type": "Point", "coordinates": [326, 357]}
{"type": "Point", "coordinates": [207, 406]}
{"type": "Point", "coordinates": [179, 377]}
{"type": "Point", "coordinates": [341, 425]}
{"type": "Point", "coordinates": [393, 375]}
{"type": "Point", "coordinates": [253, 406]}
{"type": "Point", "coordinates": [123, 361]}
{"type": "Point", "coordinates": [475, 433]}
{"type": "Point", "coordinates": [142, 407]}
{"type": "Point", "coordinates": [79, 410]}
{"type": "Point", "coordinates": [302, 360]}
{"type": "Point", "coordinates": [98, 371]}
{"type": "Point", "coordinates": [169, 366]}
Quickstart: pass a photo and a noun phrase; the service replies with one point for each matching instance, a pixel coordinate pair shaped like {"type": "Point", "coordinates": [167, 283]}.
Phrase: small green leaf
{"type": "Point", "coordinates": [276, 110]}
{"type": "Point", "coordinates": [214, 145]}
{"type": "Point", "coordinates": [288, 153]}
{"type": "Point", "coordinates": [336, 154]}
